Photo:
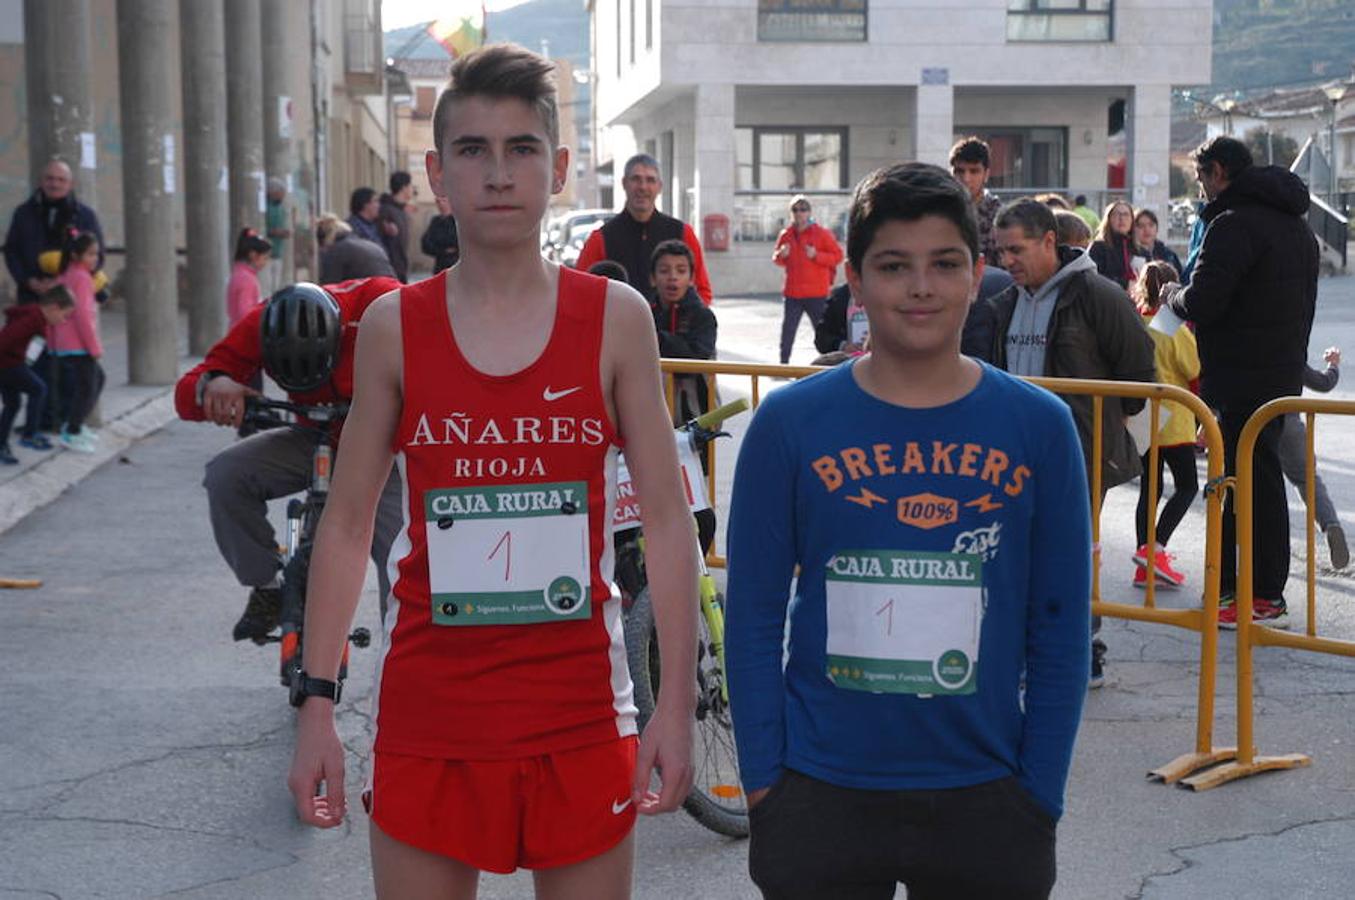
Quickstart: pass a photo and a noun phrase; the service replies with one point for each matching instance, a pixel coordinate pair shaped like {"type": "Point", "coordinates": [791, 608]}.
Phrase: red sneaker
{"type": "Point", "coordinates": [1228, 611]}
{"type": "Point", "coordinates": [1167, 576]}
{"type": "Point", "coordinates": [1140, 577]}
{"type": "Point", "coordinates": [1274, 613]}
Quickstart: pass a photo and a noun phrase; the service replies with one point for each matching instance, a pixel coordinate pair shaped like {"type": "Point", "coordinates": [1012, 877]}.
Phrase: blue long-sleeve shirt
{"type": "Point", "coordinates": [826, 469]}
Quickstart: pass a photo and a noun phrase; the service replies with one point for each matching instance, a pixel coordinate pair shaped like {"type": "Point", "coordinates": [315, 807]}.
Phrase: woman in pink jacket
{"type": "Point", "coordinates": [251, 258]}
{"type": "Point", "coordinates": [75, 343]}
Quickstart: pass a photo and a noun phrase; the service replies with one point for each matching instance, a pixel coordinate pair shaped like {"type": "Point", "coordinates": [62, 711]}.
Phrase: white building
{"type": "Point", "coordinates": [744, 102]}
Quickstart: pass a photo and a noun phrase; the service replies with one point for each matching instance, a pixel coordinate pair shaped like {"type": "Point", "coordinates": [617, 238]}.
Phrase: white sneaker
{"type": "Point", "coordinates": [77, 442]}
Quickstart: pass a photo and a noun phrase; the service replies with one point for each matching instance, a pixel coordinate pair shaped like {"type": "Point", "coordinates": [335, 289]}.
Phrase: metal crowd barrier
{"type": "Point", "coordinates": [1203, 620]}
{"type": "Point", "coordinates": [1249, 635]}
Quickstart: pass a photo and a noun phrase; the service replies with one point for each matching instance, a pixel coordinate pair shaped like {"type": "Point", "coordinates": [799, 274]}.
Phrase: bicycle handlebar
{"type": "Point", "coordinates": [262, 412]}
{"type": "Point", "coordinates": [713, 419]}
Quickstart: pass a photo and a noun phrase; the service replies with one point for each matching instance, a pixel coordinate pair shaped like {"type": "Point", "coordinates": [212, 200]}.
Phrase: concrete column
{"type": "Point", "coordinates": [202, 27]}
{"type": "Point", "coordinates": [150, 178]}
{"type": "Point", "coordinates": [244, 115]}
{"type": "Point", "coordinates": [59, 86]}
{"type": "Point", "coordinates": [934, 121]}
{"type": "Point", "coordinates": [713, 180]}
{"type": "Point", "coordinates": [1148, 123]}
{"type": "Point", "coordinates": [280, 100]}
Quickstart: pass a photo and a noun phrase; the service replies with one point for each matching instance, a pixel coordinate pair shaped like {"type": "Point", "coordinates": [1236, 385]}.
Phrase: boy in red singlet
{"type": "Point", "coordinates": [504, 387]}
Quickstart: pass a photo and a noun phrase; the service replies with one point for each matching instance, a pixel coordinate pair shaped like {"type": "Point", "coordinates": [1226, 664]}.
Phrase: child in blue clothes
{"type": "Point", "coordinates": [921, 725]}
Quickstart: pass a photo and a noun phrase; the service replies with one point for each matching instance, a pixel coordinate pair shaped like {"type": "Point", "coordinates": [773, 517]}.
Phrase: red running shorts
{"type": "Point", "coordinates": [539, 812]}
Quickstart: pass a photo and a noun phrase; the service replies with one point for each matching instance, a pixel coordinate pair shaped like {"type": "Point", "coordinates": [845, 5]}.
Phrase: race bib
{"type": "Point", "coordinates": [509, 554]}
{"type": "Point", "coordinates": [904, 622]}
{"type": "Point", "coordinates": [858, 326]}
{"type": "Point", "coordinates": [627, 513]}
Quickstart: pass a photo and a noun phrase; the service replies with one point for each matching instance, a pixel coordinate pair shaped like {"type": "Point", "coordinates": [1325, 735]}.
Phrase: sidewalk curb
{"type": "Point", "coordinates": [63, 469]}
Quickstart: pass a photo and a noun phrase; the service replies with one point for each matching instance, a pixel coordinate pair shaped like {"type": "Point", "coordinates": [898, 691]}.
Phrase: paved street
{"type": "Point", "coordinates": [142, 754]}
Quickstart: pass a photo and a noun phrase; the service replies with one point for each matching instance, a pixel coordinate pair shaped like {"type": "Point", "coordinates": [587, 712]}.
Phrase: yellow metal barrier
{"type": "Point", "coordinates": [1249, 636]}
{"type": "Point", "coordinates": [1203, 620]}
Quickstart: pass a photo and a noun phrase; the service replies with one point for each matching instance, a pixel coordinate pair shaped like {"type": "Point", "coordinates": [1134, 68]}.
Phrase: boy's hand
{"type": "Point", "coordinates": [666, 746]}
{"type": "Point", "coordinates": [1332, 356]}
{"type": "Point", "coordinates": [223, 401]}
{"type": "Point", "coordinates": [318, 760]}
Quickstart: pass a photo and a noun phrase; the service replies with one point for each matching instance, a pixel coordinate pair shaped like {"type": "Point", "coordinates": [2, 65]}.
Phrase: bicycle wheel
{"type": "Point", "coordinates": [717, 800]}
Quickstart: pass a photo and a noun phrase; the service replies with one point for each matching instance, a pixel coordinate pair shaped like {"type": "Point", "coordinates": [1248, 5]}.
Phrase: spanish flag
{"type": "Point", "coordinates": [461, 32]}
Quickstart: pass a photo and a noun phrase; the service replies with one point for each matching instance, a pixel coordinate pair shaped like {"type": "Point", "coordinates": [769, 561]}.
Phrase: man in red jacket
{"type": "Point", "coordinates": [810, 255]}
{"type": "Point", "coordinates": [241, 479]}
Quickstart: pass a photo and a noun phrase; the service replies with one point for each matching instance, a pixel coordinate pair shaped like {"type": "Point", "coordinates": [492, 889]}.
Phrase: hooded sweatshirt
{"type": "Point", "coordinates": [1029, 332]}
{"type": "Point", "coordinates": [1253, 292]}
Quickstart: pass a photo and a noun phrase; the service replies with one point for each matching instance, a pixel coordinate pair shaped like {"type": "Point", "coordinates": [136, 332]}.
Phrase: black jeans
{"type": "Point", "coordinates": [15, 382]}
{"type": "Point", "coordinates": [794, 307]}
{"type": "Point", "coordinates": [1185, 485]}
{"type": "Point", "coordinates": [813, 840]}
{"type": "Point", "coordinates": [86, 379]}
{"type": "Point", "coordinates": [1270, 509]}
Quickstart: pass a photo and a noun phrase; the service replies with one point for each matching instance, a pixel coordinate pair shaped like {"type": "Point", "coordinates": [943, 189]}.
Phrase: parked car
{"type": "Point", "coordinates": [578, 236]}
{"type": "Point", "coordinates": [560, 229]}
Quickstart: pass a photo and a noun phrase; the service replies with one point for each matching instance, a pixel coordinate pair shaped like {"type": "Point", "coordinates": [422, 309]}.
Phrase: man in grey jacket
{"type": "Point", "coordinates": [1062, 319]}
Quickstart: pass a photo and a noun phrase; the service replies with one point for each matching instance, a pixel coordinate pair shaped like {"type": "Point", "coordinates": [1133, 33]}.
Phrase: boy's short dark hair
{"type": "Point", "coordinates": [501, 71]}
{"type": "Point", "coordinates": [1228, 152]}
{"type": "Point", "coordinates": [671, 247]}
{"type": "Point", "coordinates": [971, 149]}
{"type": "Point", "coordinates": [610, 268]}
{"type": "Point", "coordinates": [57, 295]}
{"type": "Point", "coordinates": [1034, 218]}
{"type": "Point", "coordinates": [399, 180]}
{"type": "Point", "coordinates": [907, 192]}
{"type": "Point", "coordinates": [360, 198]}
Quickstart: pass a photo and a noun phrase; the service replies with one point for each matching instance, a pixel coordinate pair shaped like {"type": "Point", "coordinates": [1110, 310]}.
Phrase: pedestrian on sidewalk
{"type": "Point", "coordinates": [25, 323]}
{"type": "Point", "coordinates": [810, 255]}
{"type": "Point", "coordinates": [1178, 363]}
{"type": "Point", "coordinates": [76, 344]}
{"type": "Point", "coordinates": [969, 162]}
{"type": "Point", "coordinates": [364, 208]}
{"type": "Point", "coordinates": [439, 240]}
{"type": "Point", "coordinates": [344, 255]}
{"type": "Point", "coordinates": [1294, 460]}
{"type": "Point", "coordinates": [1252, 298]}
{"type": "Point", "coordinates": [394, 222]}
{"type": "Point", "coordinates": [1113, 249]}
{"type": "Point", "coordinates": [243, 292]}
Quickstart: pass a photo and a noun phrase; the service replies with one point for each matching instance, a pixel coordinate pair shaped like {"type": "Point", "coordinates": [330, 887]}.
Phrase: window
{"type": "Point", "coordinates": [649, 24]}
{"type": "Point", "coordinates": [811, 20]}
{"type": "Point", "coordinates": [1035, 158]}
{"type": "Point", "coordinates": [790, 159]}
{"type": "Point", "coordinates": [1060, 20]}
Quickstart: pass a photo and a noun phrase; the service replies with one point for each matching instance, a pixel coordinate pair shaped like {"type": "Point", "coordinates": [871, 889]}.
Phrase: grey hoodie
{"type": "Point", "coordinates": [1029, 330]}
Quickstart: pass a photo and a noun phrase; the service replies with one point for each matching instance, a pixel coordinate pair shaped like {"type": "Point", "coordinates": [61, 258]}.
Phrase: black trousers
{"type": "Point", "coordinates": [86, 378]}
{"type": "Point", "coordinates": [1270, 519]}
{"type": "Point", "coordinates": [792, 309]}
{"type": "Point", "coordinates": [15, 383]}
{"type": "Point", "coordinates": [812, 840]}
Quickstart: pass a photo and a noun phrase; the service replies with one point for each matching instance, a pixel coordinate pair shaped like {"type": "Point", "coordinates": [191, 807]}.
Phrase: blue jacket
{"type": "Point", "coordinates": [31, 233]}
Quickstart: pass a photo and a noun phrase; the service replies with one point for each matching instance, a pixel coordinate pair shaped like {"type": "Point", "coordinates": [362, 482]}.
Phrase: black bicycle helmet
{"type": "Point", "coordinates": [299, 336]}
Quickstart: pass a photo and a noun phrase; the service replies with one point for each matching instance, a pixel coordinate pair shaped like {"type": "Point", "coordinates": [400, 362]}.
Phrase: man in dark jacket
{"type": "Point", "coordinates": [631, 236]}
{"type": "Point", "coordinates": [1252, 296]}
{"type": "Point", "coordinates": [42, 223]}
{"type": "Point", "coordinates": [440, 240]}
{"type": "Point", "coordinates": [1063, 320]}
{"type": "Point", "coordinates": [686, 328]}
{"type": "Point", "coordinates": [394, 220]}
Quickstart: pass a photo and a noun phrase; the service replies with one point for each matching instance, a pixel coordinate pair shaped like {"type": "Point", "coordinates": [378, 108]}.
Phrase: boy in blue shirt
{"type": "Point", "coordinates": [919, 726]}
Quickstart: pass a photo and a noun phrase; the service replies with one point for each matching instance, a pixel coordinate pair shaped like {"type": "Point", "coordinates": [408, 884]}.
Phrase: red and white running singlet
{"type": "Point", "coordinates": [503, 637]}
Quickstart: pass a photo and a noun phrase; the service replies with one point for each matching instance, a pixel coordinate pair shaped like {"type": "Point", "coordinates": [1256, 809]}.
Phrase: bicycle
{"type": "Point", "coordinates": [303, 517]}
{"type": "Point", "coordinates": [717, 799]}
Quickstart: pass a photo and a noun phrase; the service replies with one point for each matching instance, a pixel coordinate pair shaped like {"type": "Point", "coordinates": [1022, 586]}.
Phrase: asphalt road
{"type": "Point", "coordinates": [143, 754]}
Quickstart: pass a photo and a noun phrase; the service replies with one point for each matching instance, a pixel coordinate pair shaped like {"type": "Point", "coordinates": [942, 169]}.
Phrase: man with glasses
{"type": "Point", "coordinates": [810, 255]}
{"type": "Point", "coordinates": [631, 236]}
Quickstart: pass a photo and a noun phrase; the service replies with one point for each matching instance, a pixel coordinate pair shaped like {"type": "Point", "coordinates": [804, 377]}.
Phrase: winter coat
{"type": "Point", "coordinates": [687, 330]}
{"type": "Point", "coordinates": [1094, 332]}
{"type": "Point", "coordinates": [23, 322]}
{"type": "Point", "coordinates": [1253, 292]}
{"type": "Point", "coordinates": [1113, 258]}
{"type": "Point", "coordinates": [242, 292]}
{"type": "Point", "coordinates": [1178, 363]}
{"type": "Point", "coordinates": [397, 245]}
{"type": "Point", "coordinates": [807, 278]}
{"type": "Point", "coordinates": [38, 226]}
{"type": "Point", "coordinates": [79, 333]}
{"type": "Point", "coordinates": [440, 242]}
{"type": "Point", "coordinates": [352, 257]}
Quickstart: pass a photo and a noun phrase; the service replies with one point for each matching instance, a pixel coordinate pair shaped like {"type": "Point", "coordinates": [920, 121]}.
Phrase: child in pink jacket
{"type": "Point", "coordinates": [75, 343]}
{"type": "Point", "coordinates": [251, 257]}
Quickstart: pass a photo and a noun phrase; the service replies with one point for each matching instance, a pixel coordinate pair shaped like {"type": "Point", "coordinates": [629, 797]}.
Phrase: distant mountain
{"type": "Point", "coordinates": [1269, 43]}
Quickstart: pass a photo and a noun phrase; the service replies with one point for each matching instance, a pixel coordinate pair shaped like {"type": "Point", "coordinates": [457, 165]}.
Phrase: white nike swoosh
{"type": "Point", "coordinates": [619, 808]}
{"type": "Point", "coordinates": [549, 395]}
